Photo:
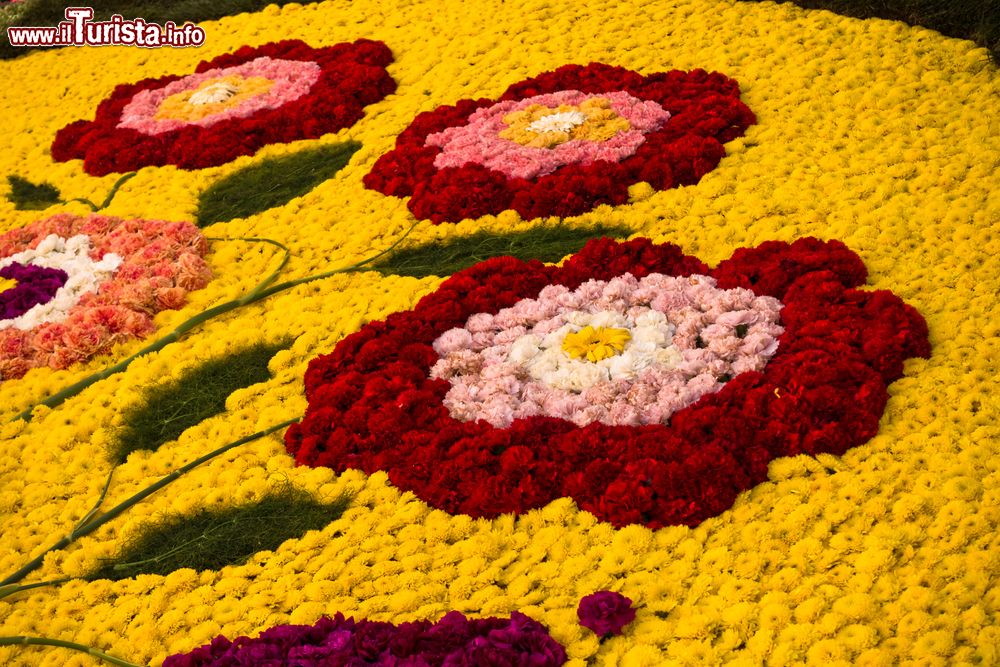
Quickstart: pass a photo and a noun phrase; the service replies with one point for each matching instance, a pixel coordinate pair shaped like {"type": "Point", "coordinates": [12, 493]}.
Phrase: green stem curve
{"type": "Point", "coordinates": [11, 589]}
{"type": "Point", "coordinates": [114, 190]}
{"type": "Point", "coordinates": [107, 200]}
{"type": "Point", "coordinates": [274, 274]}
{"type": "Point", "coordinates": [24, 640]}
{"type": "Point", "coordinates": [101, 519]}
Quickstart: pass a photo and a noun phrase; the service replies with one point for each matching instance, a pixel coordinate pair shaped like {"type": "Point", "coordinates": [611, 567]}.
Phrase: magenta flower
{"type": "Point", "coordinates": [605, 612]}
{"type": "Point", "coordinates": [453, 641]}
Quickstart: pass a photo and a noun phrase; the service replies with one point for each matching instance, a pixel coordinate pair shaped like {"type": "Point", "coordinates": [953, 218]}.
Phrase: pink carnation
{"type": "Point", "coordinates": [688, 338]}
{"type": "Point", "coordinates": [160, 262]}
{"type": "Point", "coordinates": [292, 79]}
{"type": "Point", "coordinates": [479, 142]}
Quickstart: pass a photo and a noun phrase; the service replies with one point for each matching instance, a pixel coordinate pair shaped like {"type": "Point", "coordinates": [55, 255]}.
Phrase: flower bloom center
{"type": "Point", "coordinates": [6, 284]}
{"type": "Point", "coordinates": [217, 92]}
{"type": "Point", "coordinates": [541, 126]}
{"type": "Point", "coordinates": [626, 351]}
{"type": "Point", "coordinates": [505, 137]}
{"type": "Point", "coordinates": [33, 285]}
{"type": "Point", "coordinates": [595, 344]}
{"type": "Point", "coordinates": [212, 97]}
{"type": "Point", "coordinates": [562, 121]}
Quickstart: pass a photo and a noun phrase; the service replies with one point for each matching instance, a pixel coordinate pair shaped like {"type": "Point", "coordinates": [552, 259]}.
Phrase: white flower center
{"type": "Point", "coordinates": [84, 276]}
{"type": "Point", "coordinates": [563, 121]}
{"type": "Point", "coordinates": [217, 92]}
{"type": "Point", "coordinates": [687, 338]}
{"type": "Point", "coordinates": [545, 360]}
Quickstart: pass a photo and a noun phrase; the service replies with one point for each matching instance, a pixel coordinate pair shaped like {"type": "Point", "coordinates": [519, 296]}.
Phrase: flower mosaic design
{"type": "Point", "coordinates": [485, 398]}
{"type": "Point", "coordinates": [870, 132]}
{"type": "Point", "coordinates": [562, 143]}
{"type": "Point", "coordinates": [81, 284]}
{"type": "Point", "coordinates": [231, 106]}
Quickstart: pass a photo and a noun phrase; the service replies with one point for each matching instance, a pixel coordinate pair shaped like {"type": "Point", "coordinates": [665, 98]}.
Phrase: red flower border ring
{"type": "Point", "coordinates": [373, 404]}
{"type": "Point", "coordinates": [459, 161]}
{"type": "Point", "coordinates": [232, 105]}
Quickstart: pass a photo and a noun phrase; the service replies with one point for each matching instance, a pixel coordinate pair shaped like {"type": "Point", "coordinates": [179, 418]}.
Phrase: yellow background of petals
{"type": "Point", "coordinates": [883, 136]}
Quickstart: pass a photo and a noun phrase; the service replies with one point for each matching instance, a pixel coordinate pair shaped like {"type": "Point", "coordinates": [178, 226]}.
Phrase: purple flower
{"type": "Point", "coordinates": [605, 612]}
{"type": "Point", "coordinates": [521, 642]}
{"type": "Point", "coordinates": [35, 285]}
{"type": "Point", "coordinates": [454, 641]}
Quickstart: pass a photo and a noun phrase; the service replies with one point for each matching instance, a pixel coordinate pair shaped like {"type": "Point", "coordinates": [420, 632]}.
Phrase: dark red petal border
{"type": "Point", "coordinates": [352, 75]}
{"type": "Point", "coordinates": [373, 406]}
{"type": "Point", "coordinates": [705, 113]}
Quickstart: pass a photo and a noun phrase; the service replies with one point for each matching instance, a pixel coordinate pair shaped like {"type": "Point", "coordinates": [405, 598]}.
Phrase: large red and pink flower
{"type": "Point", "coordinates": [232, 105]}
{"type": "Point", "coordinates": [562, 143]}
{"type": "Point", "coordinates": [82, 284]}
{"type": "Point", "coordinates": [633, 378]}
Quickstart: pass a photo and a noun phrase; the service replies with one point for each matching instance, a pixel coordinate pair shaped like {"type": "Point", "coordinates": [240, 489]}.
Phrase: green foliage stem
{"type": "Point", "coordinates": [211, 539]}
{"type": "Point", "coordinates": [116, 511]}
{"type": "Point", "coordinates": [24, 640]}
{"type": "Point", "coordinates": [272, 182]}
{"type": "Point", "coordinates": [28, 196]}
{"type": "Point", "coordinates": [547, 244]}
{"type": "Point", "coordinates": [11, 589]}
{"type": "Point", "coordinates": [168, 409]}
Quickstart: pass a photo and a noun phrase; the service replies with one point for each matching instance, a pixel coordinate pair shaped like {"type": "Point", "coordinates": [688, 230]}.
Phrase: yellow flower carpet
{"type": "Point", "coordinates": [871, 133]}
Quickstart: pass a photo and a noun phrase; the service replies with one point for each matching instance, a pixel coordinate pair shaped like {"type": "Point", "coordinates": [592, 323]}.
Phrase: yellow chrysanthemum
{"type": "Point", "coordinates": [595, 344]}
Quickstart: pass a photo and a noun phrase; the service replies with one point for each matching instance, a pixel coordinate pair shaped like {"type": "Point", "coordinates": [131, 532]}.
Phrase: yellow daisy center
{"type": "Point", "coordinates": [7, 283]}
{"type": "Point", "coordinates": [547, 127]}
{"type": "Point", "coordinates": [595, 344]}
{"type": "Point", "coordinates": [211, 97]}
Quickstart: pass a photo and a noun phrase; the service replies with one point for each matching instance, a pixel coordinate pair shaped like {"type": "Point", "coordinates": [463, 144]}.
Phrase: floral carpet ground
{"type": "Point", "coordinates": [871, 134]}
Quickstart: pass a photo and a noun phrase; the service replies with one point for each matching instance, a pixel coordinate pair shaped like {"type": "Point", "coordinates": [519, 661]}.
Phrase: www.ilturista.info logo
{"type": "Point", "coordinates": [79, 30]}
